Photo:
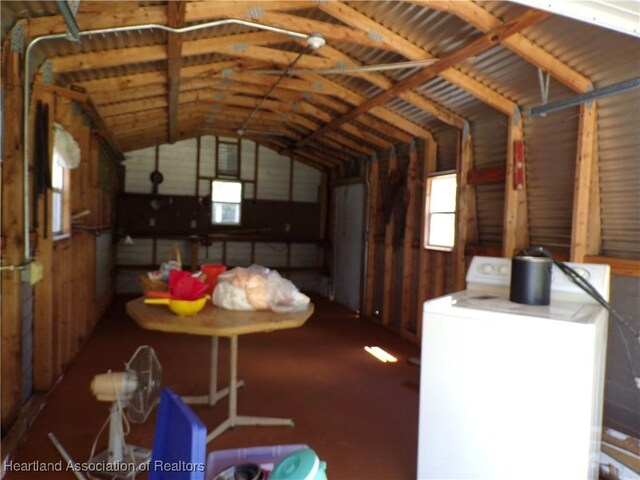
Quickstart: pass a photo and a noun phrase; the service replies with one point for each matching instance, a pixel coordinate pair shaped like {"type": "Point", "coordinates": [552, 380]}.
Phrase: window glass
{"type": "Point", "coordinates": [440, 215]}
{"type": "Point", "coordinates": [57, 187]}
{"type": "Point", "coordinates": [226, 198]}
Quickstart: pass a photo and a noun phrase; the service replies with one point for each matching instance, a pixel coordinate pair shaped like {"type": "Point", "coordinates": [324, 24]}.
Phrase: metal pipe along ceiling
{"type": "Point", "coordinates": [311, 38]}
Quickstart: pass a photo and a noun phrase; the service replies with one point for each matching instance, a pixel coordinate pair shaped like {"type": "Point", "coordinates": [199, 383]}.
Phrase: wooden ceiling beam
{"type": "Point", "coordinates": [303, 108]}
{"type": "Point", "coordinates": [321, 83]}
{"type": "Point", "coordinates": [384, 83]}
{"type": "Point", "coordinates": [487, 41]}
{"type": "Point", "coordinates": [332, 32]}
{"type": "Point", "coordinates": [483, 20]}
{"type": "Point", "coordinates": [322, 90]}
{"type": "Point", "coordinates": [150, 53]}
{"type": "Point", "coordinates": [176, 19]}
{"type": "Point", "coordinates": [100, 15]}
{"type": "Point", "coordinates": [252, 10]}
{"type": "Point", "coordinates": [409, 50]}
{"type": "Point", "coordinates": [96, 16]}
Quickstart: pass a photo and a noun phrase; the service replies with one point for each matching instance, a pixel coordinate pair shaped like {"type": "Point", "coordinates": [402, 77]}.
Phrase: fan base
{"type": "Point", "coordinates": [127, 469]}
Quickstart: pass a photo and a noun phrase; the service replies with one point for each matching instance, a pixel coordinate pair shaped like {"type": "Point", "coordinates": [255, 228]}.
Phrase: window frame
{"type": "Point", "coordinates": [64, 216]}
{"type": "Point", "coordinates": [428, 213]}
{"type": "Point", "coordinates": [224, 173]}
{"type": "Point", "coordinates": [214, 202]}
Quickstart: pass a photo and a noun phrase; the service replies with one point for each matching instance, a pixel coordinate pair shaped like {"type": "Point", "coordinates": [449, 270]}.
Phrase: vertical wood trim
{"type": "Point", "coordinates": [323, 193]}
{"type": "Point", "coordinates": [515, 230]}
{"type": "Point", "coordinates": [175, 18]}
{"type": "Point", "coordinates": [12, 230]}
{"type": "Point", "coordinates": [198, 156]}
{"type": "Point", "coordinates": [387, 289]}
{"type": "Point", "coordinates": [463, 205]}
{"type": "Point", "coordinates": [581, 198]}
{"type": "Point", "coordinates": [255, 169]}
{"type": "Point", "coordinates": [195, 245]}
{"type": "Point", "coordinates": [290, 178]}
{"type": "Point", "coordinates": [439, 266]}
{"type": "Point", "coordinates": [425, 272]}
{"type": "Point", "coordinates": [43, 374]}
{"type": "Point", "coordinates": [594, 233]}
{"type": "Point", "coordinates": [374, 189]}
{"type": "Point", "coordinates": [406, 322]}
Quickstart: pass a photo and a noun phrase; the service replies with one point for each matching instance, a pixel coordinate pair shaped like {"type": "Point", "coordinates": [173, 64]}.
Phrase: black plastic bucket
{"type": "Point", "coordinates": [531, 280]}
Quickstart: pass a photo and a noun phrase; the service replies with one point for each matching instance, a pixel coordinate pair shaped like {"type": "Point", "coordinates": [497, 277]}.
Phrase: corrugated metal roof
{"type": "Point", "coordinates": [605, 57]}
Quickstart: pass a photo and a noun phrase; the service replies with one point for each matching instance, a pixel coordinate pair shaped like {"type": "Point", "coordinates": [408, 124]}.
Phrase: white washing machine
{"type": "Point", "coordinates": [510, 390]}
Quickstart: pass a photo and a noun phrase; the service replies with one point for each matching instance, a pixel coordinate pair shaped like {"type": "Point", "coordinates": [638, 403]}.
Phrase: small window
{"type": "Point", "coordinates": [228, 164]}
{"type": "Point", "coordinates": [226, 198]}
{"type": "Point", "coordinates": [57, 195]}
{"type": "Point", "coordinates": [440, 214]}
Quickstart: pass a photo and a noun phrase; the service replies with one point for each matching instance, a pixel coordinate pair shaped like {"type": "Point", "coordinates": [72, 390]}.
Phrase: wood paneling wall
{"type": "Point", "coordinates": [64, 307]}
{"type": "Point", "coordinates": [401, 274]}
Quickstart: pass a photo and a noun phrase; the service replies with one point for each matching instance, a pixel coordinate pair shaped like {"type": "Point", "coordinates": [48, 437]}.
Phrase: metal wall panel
{"type": "Point", "coordinates": [211, 254]}
{"type": "Point", "coordinates": [304, 255]}
{"type": "Point", "coordinates": [139, 253]}
{"type": "Point", "coordinates": [207, 156]}
{"type": "Point", "coordinates": [177, 162]}
{"type": "Point", "coordinates": [238, 254]}
{"type": "Point", "coordinates": [273, 175]}
{"type": "Point", "coordinates": [550, 153]}
{"type": "Point", "coordinates": [138, 166]}
{"type": "Point", "coordinates": [248, 160]}
{"type": "Point", "coordinates": [272, 255]}
{"type": "Point", "coordinates": [104, 260]}
{"type": "Point", "coordinates": [490, 205]}
{"type": "Point", "coordinates": [306, 183]}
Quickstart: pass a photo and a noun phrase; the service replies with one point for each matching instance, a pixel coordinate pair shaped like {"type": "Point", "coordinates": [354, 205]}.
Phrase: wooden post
{"type": "Point", "coordinates": [387, 289]}
{"type": "Point", "coordinates": [374, 200]}
{"type": "Point", "coordinates": [465, 197]}
{"type": "Point", "coordinates": [425, 271]}
{"type": "Point", "coordinates": [515, 230]}
{"type": "Point", "coordinates": [581, 196]}
{"type": "Point", "coordinates": [13, 234]}
{"type": "Point", "coordinates": [43, 368]}
{"type": "Point", "coordinates": [408, 323]}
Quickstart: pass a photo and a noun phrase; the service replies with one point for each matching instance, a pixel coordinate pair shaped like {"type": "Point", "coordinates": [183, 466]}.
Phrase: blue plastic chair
{"type": "Point", "coordinates": [179, 442]}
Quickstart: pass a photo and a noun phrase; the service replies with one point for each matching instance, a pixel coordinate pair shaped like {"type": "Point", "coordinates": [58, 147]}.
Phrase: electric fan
{"type": "Point", "coordinates": [138, 390]}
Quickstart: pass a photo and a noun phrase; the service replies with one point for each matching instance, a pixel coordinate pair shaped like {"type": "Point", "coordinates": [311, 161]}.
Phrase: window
{"type": "Point", "coordinates": [228, 155]}
{"type": "Point", "coordinates": [57, 192]}
{"type": "Point", "coordinates": [226, 198]}
{"type": "Point", "coordinates": [440, 215]}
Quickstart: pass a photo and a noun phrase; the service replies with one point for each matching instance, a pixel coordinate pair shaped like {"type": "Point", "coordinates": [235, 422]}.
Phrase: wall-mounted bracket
{"type": "Point", "coordinates": [543, 83]}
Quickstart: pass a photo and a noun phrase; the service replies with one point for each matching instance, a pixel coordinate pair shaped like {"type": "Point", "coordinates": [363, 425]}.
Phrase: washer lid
{"type": "Point", "coordinates": [299, 465]}
{"type": "Point", "coordinates": [482, 302]}
{"type": "Point", "coordinates": [566, 311]}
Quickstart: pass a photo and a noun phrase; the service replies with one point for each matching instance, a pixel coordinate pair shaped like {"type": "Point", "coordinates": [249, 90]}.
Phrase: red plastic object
{"type": "Point", "coordinates": [518, 170]}
{"type": "Point", "coordinates": [212, 271]}
{"type": "Point", "coordinates": [184, 287]}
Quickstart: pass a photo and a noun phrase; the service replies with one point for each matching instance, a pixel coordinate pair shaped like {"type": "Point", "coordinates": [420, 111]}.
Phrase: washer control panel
{"type": "Point", "coordinates": [495, 272]}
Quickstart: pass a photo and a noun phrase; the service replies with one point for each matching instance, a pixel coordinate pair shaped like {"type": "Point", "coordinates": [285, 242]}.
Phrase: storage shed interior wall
{"type": "Point", "coordinates": [114, 94]}
{"type": "Point", "coordinates": [281, 203]}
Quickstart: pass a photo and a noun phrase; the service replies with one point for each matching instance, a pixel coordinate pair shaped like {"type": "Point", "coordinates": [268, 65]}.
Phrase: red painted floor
{"type": "Point", "coordinates": [359, 414]}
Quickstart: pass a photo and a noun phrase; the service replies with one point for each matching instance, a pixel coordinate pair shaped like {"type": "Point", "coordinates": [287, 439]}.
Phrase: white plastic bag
{"type": "Point", "coordinates": [257, 288]}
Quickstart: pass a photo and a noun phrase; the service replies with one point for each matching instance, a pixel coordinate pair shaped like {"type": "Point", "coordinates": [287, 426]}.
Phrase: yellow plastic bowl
{"type": "Point", "coordinates": [182, 308]}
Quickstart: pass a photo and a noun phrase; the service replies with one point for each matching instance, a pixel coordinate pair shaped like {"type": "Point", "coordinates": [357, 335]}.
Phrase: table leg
{"type": "Point", "coordinates": [214, 394]}
{"type": "Point", "coordinates": [241, 420]}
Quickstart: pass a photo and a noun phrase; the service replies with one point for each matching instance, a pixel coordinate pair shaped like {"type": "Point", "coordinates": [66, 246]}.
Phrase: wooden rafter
{"type": "Point", "coordinates": [488, 40]}
{"type": "Point", "coordinates": [354, 18]}
{"type": "Point", "coordinates": [480, 18]}
{"type": "Point", "coordinates": [176, 12]}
